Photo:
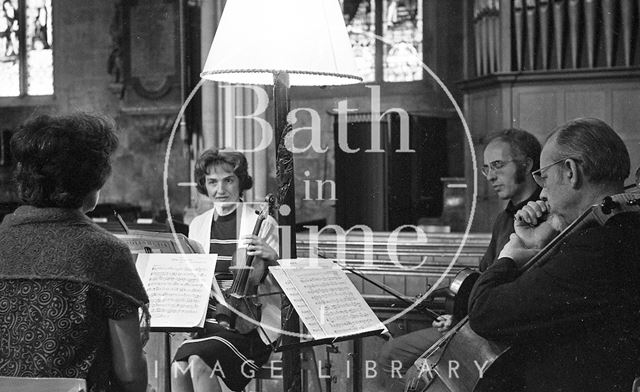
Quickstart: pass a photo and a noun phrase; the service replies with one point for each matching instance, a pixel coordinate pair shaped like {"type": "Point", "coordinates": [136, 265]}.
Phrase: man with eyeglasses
{"type": "Point", "coordinates": [509, 158]}
{"type": "Point", "coordinates": [572, 321]}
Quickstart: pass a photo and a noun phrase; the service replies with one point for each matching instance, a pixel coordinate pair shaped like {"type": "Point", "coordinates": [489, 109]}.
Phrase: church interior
{"type": "Point", "coordinates": [383, 174]}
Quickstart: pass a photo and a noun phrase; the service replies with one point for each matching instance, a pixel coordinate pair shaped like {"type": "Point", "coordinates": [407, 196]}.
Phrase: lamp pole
{"type": "Point", "coordinates": [287, 42]}
{"type": "Point", "coordinates": [284, 165]}
{"type": "Point", "coordinates": [291, 366]}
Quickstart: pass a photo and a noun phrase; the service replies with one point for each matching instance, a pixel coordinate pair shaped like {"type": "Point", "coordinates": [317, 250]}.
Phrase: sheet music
{"type": "Point", "coordinates": [146, 245]}
{"type": "Point", "coordinates": [326, 300]}
{"type": "Point", "coordinates": [152, 242]}
{"type": "Point", "coordinates": [178, 287]}
{"type": "Point", "coordinates": [295, 297]}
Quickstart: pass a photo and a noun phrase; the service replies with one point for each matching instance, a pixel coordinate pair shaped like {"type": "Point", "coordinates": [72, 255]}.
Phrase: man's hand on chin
{"type": "Point", "coordinates": [534, 226]}
{"type": "Point", "coordinates": [515, 250]}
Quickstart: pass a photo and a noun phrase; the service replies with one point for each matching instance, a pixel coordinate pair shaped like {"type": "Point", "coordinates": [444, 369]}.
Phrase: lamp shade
{"type": "Point", "coordinates": [305, 38]}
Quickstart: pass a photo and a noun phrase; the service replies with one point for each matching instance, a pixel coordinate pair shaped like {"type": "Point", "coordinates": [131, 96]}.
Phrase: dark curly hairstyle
{"type": "Point", "coordinates": [235, 159]}
{"type": "Point", "coordinates": [61, 159]}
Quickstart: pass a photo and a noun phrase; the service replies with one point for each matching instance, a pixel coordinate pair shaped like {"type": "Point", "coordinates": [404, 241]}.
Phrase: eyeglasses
{"type": "Point", "coordinates": [537, 174]}
{"type": "Point", "coordinates": [495, 166]}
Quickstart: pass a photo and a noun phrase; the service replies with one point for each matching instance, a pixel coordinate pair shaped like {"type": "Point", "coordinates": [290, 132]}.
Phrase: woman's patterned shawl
{"type": "Point", "coordinates": [49, 253]}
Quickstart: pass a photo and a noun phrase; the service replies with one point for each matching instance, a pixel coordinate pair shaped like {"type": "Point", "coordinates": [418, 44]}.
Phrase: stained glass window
{"type": "Point", "coordinates": [402, 31]}
{"type": "Point", "coordinates": [399, 23]}
{"type": "Point", "coordinates": [361, 25]}
{"type": "Point", "coordinates": [9, 49]}
{"type": "Point", "coordinates": [26, 56]}
{"type": "Point", "coordinates": [39, 52]}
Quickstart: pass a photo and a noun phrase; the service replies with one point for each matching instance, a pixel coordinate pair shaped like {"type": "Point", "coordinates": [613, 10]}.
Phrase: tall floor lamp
{"type": "Point", "coordinates": [282, 43]}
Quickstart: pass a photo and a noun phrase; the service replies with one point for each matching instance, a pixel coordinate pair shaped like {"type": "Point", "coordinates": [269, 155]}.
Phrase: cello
{"type": "Point", "coordinates": [241, 296]}
{"type": "Point", "coordinates": [475, 357]}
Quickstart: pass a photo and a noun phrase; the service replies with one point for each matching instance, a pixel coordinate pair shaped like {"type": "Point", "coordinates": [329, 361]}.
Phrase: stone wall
{"type": "Point", "coordinates": [82, 44]}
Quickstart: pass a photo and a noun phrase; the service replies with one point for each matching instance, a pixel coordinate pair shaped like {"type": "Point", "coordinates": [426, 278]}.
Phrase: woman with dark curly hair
{"type": "Point", "coordinates": [219, 353]}
{"type": "Point", "coordinates": [69, 292]}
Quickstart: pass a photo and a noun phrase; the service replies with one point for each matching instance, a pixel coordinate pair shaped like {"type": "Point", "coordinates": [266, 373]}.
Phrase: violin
{"type": "Point", "coordinates": [241, 296]}
{"type": "Point", "coordinates": [430, 372]}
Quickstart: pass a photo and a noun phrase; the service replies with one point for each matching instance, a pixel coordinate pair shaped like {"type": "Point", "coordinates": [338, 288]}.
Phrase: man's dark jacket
{"type": "Point", "coordinates": [574, 322]}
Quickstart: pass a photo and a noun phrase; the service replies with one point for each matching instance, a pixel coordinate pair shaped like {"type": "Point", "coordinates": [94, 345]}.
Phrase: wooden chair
{"type": "Point", "coordinates": [29, 384]}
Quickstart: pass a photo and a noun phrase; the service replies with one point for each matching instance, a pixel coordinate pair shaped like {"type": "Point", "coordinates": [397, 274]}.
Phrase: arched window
{"type": "Point", "coordinates": [26, 42]}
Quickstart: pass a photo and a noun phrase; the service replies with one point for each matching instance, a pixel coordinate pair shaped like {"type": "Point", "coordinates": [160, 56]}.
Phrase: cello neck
{"type": "Point", "coordinates": [598, 213]}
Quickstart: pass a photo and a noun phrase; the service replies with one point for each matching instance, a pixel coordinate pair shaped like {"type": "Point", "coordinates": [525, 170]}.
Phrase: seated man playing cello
{"type": "Point", "coordinates": [231, 355]}
{"type": "Point", "coordinates": [572, 317]}
{"type": "Point", "coordinates": [509, 158]}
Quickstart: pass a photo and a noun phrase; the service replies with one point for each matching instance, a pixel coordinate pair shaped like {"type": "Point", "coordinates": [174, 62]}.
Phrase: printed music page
{"type": "Point", "coordinates": [152, 242]}
{"type": "Point", "coordinates": [327, 301]}
{"type": "Point", "coordinates": [178, 286]}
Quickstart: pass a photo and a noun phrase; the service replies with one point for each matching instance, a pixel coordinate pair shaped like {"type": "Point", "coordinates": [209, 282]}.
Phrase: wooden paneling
{"type": "Point", "coordinates": [494, 112]}
{"type": "Point", "coordinates": [485, 114]}
{"type": "Point", "coordinates": [626, 121]}
{"type": "Point", "coordinates": [537, 110]}
{"type": "Point", "coordinates": [477, 119]}
{"type": "Point", "coordinates": [626, 111]}
{"type": "Point", "coordinates": [539, 102]}
{"type": "Point", "coordinates": [585, 103]}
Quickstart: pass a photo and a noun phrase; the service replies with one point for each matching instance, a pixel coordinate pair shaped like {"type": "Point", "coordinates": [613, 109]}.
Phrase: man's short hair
{"type": "Point", "coordinates": [235, 159]}
{"type": "Point", "coordinates": [601, 152]}
{"type": "Point", "coordinates": [61, 159]}
{"type": "Point", "coordinates": [523, 144]}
